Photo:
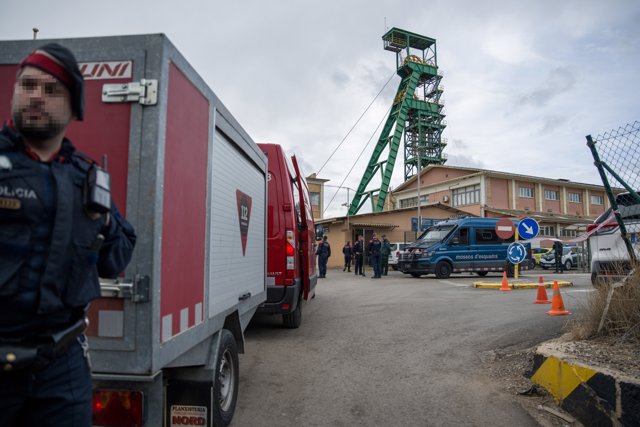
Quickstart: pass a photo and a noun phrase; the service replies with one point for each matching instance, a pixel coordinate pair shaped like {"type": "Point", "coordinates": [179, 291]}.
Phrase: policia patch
{"type": "Point", "coordinates": [6, 203]}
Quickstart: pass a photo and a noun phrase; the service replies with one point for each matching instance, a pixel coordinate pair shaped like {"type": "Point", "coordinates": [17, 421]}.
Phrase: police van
{"type": "Point", "coordinates": [460, 245]}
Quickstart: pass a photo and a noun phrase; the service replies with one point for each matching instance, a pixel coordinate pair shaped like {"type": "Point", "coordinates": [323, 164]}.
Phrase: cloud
{"type": "Point", "coordinates": [340, 79]}
{"type": "Point", "coordinates": [559, 81]}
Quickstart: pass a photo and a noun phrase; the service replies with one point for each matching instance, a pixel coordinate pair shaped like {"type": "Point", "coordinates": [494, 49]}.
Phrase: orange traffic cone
{"type": "Point", "coordinates": [505, 283]}
{"type": "Point", "coordinates": [542, 294]}
{"type": "Point", "coordinates": [557, 306]}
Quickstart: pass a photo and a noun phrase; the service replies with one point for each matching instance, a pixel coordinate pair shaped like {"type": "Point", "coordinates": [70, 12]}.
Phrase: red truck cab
{"type": "Point", "coordinates": [291, 266]}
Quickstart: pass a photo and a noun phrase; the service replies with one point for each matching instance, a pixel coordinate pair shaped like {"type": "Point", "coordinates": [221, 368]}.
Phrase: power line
{"type": "Point", "coordinates": [358, 158]}
{"type": "Point", "coordinates": [354, 125]}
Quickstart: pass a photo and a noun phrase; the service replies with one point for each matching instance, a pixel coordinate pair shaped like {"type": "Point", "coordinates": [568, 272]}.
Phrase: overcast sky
{"type": "Point", "coordinates": [524, 81]}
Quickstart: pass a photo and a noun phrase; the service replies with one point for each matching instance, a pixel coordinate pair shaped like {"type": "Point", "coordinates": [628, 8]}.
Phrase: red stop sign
{"type": "Point", "coordinates": [505, 228]}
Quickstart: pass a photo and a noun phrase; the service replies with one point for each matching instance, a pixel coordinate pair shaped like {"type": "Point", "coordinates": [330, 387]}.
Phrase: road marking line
{"type": "Point", "coordinates": [448, 282]}
{"type": "Point", "coordinates": [579, 290]}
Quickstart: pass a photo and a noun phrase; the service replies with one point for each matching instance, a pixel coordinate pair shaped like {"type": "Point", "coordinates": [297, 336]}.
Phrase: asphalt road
{"type": "Point", "coordinates": [398, 351]}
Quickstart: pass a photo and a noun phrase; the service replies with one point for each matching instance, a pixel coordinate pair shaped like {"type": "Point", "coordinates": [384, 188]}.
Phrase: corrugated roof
{"type": "Point", "coordinates": [364, 224]}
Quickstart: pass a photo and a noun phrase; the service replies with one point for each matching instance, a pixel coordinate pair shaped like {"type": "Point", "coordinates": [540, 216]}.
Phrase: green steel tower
{"type": "Point", "coordinates": [416, 113]}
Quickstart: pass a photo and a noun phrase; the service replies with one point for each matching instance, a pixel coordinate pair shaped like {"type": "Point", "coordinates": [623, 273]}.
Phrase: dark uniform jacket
{"type": "Point", "coordinates": [346, 250]}
{"type": "Point", "coordinates": [374, 246]}
{"type": "Point", "coordinates": [50, 250]}
{"type": "Point", "coordinates": [358, 248]}
{"type": "Point", "coordinates": [324, 249]}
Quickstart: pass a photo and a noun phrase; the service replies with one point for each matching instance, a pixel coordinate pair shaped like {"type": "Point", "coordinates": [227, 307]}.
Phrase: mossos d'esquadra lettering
{"type": "Point", "coordinates": [21, 193]}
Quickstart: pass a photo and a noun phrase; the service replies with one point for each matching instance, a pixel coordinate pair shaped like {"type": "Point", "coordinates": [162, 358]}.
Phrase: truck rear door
{"type": "Point", "coordinates": [306, 234]}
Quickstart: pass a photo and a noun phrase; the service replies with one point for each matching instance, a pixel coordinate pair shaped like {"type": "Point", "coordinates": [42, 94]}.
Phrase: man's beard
{"type": "Point", "coordinates": [36, 132]}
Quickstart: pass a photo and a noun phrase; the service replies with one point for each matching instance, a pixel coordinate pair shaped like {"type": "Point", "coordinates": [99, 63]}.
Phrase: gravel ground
{"type": "Point", "coordinates": [510, 367]}
{"type": "Point", "coordinates": [605, 354]}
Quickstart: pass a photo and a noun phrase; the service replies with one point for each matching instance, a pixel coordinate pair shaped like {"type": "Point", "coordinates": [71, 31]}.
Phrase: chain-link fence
{"type": "Point", "coordinates": [616, 154]}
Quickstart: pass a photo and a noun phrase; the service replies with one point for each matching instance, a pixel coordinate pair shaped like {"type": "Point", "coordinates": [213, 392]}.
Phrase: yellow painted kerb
{"type": "Point", "coordinates": [561, 378]}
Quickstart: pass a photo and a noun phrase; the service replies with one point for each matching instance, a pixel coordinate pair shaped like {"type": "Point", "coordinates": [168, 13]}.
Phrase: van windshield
{"type": "Point", "coordinates": [435, 234]}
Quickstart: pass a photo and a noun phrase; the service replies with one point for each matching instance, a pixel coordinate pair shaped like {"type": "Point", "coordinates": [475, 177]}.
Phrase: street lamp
{"type": "Point", "coordinates": [348, 204]}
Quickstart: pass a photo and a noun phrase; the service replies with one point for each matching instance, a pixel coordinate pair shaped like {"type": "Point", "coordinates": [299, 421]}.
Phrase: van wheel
{"type": "Point", "coordinates": [511, 270]}
{"type": "Point", "coordinates": [443, 270]}
{"type": "Point", "coordinates": [294, 319]}
{"type": "Point", "coordinates": [568, 265]}
{"type": "Point", "coordinates": [481, 273]}
{"type": "Point", "coordinates": [395, 267]}
{"type": "Point", "coordinates": [416, 274]}
{"type": "Point", "coordinates": [225, 380]}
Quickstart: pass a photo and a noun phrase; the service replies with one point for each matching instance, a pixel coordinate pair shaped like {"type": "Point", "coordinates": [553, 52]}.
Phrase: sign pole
{"type": "Point", "coordinates": [516, 266]}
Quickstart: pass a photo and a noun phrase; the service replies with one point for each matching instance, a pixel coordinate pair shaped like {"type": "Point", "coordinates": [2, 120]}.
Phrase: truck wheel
{"type": "Point", "coordinates": [481, 273]}
{"type": "Point", "coordinates": [568, 265]}
{"type": "Point", "coordinates": [294, 319]}
{"type": "Point", "coordinates": [416, 274]}
{"type": "Point", "coordinates": [225, 381]}
{"type": "Point", "coordinates": [443, 270]}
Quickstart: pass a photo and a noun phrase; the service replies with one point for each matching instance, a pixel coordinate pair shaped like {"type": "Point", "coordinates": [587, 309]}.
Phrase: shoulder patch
{"type": "Point", "coordinates": [5, 163]}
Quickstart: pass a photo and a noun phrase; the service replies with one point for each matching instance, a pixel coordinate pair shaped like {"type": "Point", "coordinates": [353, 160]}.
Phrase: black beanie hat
{"type": "Point", "coordinates": [69, 75]}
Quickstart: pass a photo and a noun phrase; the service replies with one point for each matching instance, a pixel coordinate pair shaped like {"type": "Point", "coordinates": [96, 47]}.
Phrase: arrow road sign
{"type": "Point", "coordinates": [516, 253]}
{"type": "Point", "coordinates": [528, 228]}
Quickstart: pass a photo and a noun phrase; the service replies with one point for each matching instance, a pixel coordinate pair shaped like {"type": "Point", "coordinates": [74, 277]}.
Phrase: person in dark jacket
{"type": "Point", "coordinates": [346, 250]}
{"type": "Point", "coordinates": [358, 252]}
{"type": "Point", "coordinates": [323, 252]}
{"type": "Point", "coordinates": [557, 253]}
{"type": "Point", "coordinates": [384, 255]}
{"type": "Point", "coordinates": [374, 252]}
{"type": "Point", "coordinates": [54, 242]}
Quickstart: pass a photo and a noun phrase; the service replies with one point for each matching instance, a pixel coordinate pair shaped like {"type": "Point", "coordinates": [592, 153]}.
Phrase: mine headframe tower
{"type": "Point", "coordinates": [417, 112]}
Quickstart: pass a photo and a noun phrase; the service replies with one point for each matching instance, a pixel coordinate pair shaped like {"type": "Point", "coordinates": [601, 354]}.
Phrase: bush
{"type": "Point", "coordinates": [622, 319]}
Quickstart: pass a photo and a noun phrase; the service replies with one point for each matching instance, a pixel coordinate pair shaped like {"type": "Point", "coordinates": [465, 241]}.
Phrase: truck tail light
{"type": "Point", "coordinates": [118, 408]}
{"type": "Point", "coordinates": [291, 258]}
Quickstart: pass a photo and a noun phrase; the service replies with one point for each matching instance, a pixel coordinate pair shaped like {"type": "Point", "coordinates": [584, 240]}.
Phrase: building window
{"type": "Point", "coordinates": [466, 195]}
{"type": "Point", "coordinates": [575, 197]}
{"type": "Point", "coordinates": [550, 194]}
{"type": "Point", "coordinates": [597, 200]}
{"type": "Point", "coordinates": [547, 230]}
{"type": "Point", "coordinates": [413, 201]}
{"type": "Point", "coordinates": [315, 199]}
{"type": "Point", "coordinates": [568, 233]}
{"type": "Point", "coordinates": [526, 192]}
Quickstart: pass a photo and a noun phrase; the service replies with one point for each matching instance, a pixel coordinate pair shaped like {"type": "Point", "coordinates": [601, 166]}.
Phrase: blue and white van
{"type": "Point", "coordinates": [460, 245]}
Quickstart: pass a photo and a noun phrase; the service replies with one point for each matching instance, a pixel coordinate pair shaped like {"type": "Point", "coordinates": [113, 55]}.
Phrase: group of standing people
{"type": "Point", "coordinates": [377, 250]}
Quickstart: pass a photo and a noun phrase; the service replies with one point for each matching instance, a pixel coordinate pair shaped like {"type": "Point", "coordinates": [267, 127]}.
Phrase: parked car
{"type": "Point", "coordinates": [609, 254]}
{"type": "Point", "coordinates": [538, 253]}
{"type": "Point", "coordinates": [569, 258]}
{"type": "Point", "coordinates": [397, 248]}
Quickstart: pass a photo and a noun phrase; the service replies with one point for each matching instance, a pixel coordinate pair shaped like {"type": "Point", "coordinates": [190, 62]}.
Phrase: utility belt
{"type": "Point", "coordinates": [37, 352]}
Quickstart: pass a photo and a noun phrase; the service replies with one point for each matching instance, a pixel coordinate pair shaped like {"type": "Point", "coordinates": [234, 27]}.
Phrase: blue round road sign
{"type": "Point", "coordinates": [528, 228]}
{"type": "Point", "coordinates": [516, 253]}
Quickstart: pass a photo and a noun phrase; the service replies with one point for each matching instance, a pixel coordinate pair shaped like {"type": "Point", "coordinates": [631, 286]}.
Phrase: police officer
{"type": "Point", "coordinates": [384, 255]}
{"type": "Point", "coordinates": [55, 239]}
{"type": "Point", "coordinates": [557, 252]}
{"type": "Point", "coordinates": [324, 252]}
{"type": "Point", "coordinates": [358, 251]}
{"type": "Point", "coordinates": [374, 252]}
{"type": "Point", "coordinates": [346, 250]}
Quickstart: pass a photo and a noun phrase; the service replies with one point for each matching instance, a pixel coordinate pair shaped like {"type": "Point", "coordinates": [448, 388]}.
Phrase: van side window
{"type": "Point", "coordinates": [296, 199]}
{"type": "Point", "coordinates": [486, 236]}
{"type": "Point", "coordinates": [461, 238]}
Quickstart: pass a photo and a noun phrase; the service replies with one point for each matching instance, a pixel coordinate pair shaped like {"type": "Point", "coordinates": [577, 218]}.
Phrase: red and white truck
{"type": "Point", "coordinates": [165, 337]}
